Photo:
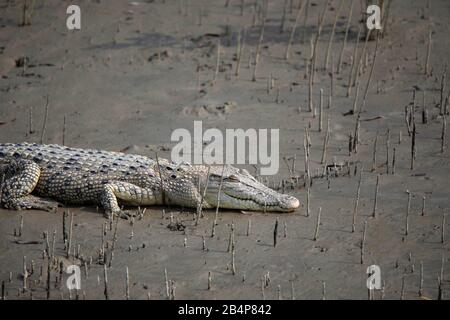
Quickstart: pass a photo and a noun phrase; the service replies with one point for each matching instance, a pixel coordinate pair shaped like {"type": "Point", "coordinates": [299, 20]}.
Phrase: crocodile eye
{"type": "Point", "coordinates": [169, 168]}
{"type": "Point", "coordinates": [233, 178]}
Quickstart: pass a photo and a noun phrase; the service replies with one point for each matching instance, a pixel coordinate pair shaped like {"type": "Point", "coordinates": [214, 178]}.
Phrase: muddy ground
{"type": "Point", "coordinates": [138, 70]}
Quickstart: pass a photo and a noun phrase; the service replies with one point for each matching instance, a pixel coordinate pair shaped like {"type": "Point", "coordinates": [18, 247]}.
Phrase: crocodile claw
{"type": "Point", "coordinates": [126, 214]}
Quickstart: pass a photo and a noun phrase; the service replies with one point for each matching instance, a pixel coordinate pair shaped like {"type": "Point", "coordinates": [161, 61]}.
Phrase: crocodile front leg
{"type": "Point", "coordinates": [20, 179]}
{"type": "Point", "coordinates": [126, 193]}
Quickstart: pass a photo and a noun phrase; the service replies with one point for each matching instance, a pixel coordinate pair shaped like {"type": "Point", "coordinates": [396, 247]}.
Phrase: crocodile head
{"type": "Point", "coordinates": [239, 190]}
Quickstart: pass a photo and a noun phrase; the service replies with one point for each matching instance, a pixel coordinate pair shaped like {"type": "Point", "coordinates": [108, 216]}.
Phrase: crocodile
{"type": "Point", "coordinates": [37, 176]}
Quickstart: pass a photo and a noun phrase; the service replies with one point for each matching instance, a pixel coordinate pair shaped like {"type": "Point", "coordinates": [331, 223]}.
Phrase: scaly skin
{"type": "Point", "coordinates": [32, 172]}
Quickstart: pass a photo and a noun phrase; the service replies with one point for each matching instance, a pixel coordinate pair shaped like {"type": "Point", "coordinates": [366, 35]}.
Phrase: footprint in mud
{"type": "Point", "coordinates": [205, 110]}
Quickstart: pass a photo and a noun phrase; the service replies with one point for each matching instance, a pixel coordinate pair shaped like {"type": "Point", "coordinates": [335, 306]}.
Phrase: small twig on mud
{"type": "Point", "coordinates": [105, 278]}
{"type": "Point", "coordinates": [363, 242]}
{"type": "Point", "coordinates": [355, 208]}
{"type": "Point", "coordinates": [375, 201]}
{"type": "Point", "coordinates": [275, 233]}
{"type": "Point", "coordinates": [408, 207]}
{"type": "Point", "coordinates": [44, 124]}
{"type": "Point", "coordinates": [316, 233]}
{"type": "Point", "coordinates": [69, 241]}
{"type": "Point", "coordinates": [127, 287]}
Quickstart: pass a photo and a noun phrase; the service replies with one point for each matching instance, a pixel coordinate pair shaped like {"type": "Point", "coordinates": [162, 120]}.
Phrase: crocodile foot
{"type": "Point", "coordinates": [33, 202]}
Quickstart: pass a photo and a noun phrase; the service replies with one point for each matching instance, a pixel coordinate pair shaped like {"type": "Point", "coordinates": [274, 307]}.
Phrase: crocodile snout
{"type": "Point", "coordinates": [289, 203]}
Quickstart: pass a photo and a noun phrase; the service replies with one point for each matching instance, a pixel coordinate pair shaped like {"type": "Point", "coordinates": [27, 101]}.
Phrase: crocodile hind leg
{"type": "Point", "coordinates": [19, 178]}
{"type": "Point", "coordinates": [126, 193]}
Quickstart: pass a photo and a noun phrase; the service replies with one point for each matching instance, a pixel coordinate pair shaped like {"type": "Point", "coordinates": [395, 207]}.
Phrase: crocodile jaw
{"type": "Point", "coordinates": [244, 192]}
{"type": "Point", "coordinates": [285, 203]}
